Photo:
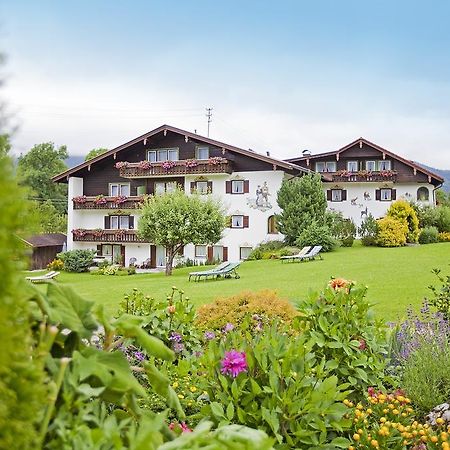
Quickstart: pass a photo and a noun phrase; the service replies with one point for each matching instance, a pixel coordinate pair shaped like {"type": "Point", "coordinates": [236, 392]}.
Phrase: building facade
{"type": "Point", "coordinates": [364, 178]}
{"type": "Point", "coordinates": [105, 194]}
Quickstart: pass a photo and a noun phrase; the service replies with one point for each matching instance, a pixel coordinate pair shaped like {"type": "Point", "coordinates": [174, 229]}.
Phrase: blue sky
{"type": "Point", "coordinates": [281, 76]}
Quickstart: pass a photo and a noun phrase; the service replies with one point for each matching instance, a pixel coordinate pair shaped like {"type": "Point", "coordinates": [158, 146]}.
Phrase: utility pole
{"type": "Point", "coordinates": [209, 116]}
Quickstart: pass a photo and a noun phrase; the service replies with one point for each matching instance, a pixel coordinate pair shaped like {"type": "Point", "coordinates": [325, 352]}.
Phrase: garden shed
{"type": "Point", "coordinates": [45, 247]}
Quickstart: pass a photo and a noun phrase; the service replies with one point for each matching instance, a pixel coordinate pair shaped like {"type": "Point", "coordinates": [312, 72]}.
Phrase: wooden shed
{"type": "Point", "coordinates": [45, 247]}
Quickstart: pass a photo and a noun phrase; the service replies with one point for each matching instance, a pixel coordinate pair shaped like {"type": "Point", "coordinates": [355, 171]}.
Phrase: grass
{"type": "Point", "coordinates": [396, 278]}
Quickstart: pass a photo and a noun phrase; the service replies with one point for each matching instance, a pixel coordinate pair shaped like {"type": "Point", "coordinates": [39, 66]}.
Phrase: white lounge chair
{"type": "Point", "coordinates": [315, 251]}
{"type": "Point", "coordinates": [43, 278]}
{"type": "Point", "coordinates": [299, 255]}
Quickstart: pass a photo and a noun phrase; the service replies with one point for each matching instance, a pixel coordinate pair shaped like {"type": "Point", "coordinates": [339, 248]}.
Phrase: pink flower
{"type": "Point", "coordinates": [234, 363]}
{"type": "Point", "coordinates": [371, 392]}
{"type": "Point", "coordinates": [362, 344]}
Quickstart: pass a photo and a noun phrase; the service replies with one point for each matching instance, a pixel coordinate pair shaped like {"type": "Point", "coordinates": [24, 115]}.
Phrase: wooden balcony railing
{"type": "Point", "coordinates": [136, 170]}
{"type": "Point", "coordinates": [100, 202]}
{"type": "Point", "coordinates": [364, 176]}
{"type": "Point", "coordinates": [121, 236]}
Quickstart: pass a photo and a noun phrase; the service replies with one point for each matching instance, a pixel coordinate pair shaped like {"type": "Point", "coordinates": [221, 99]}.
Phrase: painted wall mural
{"type": "Point", "coordinates": [261, 200]}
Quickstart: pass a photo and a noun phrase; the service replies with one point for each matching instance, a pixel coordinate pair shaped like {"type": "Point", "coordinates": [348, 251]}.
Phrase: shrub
{"type": "Point", "coordinates": [267, 250]}
{"type": "Point", "coordinates": [427, 215]}
{"type": "Point", "coordinates": [315, 234]}
{"type": "Point", "coordinates": [368, 231]}
{"type": "Point", "coordinates": [265, 304]}
{"type": "Point", "coordinates": [443, 218]}
{"type": "Point", "coordinates": [56, 264]}
{"type": "Point", "coordinates": [340, 228]}
{"type": "Point", "coordinates": [441, 295]}
{"type": "Point", "coordinates": [391, 232]}
{"type": "Point", "coordinates": [428, 235]}
{"type": "Point", "coordinates": [77, 260]}
{"type": "Point", "coordinates": [444, 236]}
{"type": "Point", "coordinates": [403, 211]}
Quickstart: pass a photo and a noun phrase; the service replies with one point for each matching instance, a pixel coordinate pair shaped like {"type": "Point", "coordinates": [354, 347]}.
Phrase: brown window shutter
{"type": "Point", "coordinates": [122, 254]}
{"type": "Point", "coordinates": [228, 187]}
{"type": "Point", "coordinates": [192, 187]}
{"type": "Point", "coordinates": [344, 195]}
{"type": "Point", "coordinates": [393, 194]}
{"type": "Point", "coordinates": [225, 254]}
{"type": "Point", "coordinates": [99, 250]}
{"type": "Point", "coordinates": [246, 186]}
{"type": "Point", "coordinates": [246, 221]}
{"type": "Point", "coordinates": [210, 187]}
{"type": "Point", "coordinates": [107, 223]}
{"type": "Point", "coordinates": [378, 194]}
{"type": "Point", "coordinates": [210, 253]}
{"type": "Point", "coordinates": [329, 195]}
{"type": "Point", "coordinates": [153, 256]}
{"type": "Point", "coordinates": [131, 223]}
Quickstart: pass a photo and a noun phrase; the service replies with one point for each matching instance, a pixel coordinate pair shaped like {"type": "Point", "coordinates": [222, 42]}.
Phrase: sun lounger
{"type": "Point", "coordinates": [43, 278]}
{"type": "Point", "coordinates": [229, 271]}
{"type": "Point", "coordinates": [299, 255]}
{"type": "Point", "coordinates": [312, 254]}
{"type": "Point", "coordinates": [207, 273]}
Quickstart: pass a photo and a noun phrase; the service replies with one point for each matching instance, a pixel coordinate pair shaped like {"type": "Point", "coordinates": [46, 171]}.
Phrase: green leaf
{"type": "Point", "coordinates": [230, 411]}
{"type": "Point", "coordinates": [217, 410]}
{"type": "Point", "coordinates": [256, 389]}
{"type": "Point", "coordinates": [341, 442]}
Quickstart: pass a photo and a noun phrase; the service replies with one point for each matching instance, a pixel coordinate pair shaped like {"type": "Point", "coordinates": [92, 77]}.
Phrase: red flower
{"type": "Point", "coordinates": [362, 344]}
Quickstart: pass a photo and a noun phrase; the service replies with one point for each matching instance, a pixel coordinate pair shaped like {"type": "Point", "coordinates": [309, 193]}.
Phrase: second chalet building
{"type": "Point", "coordinates": [364, 178]}
{"type": "Point", "coordinates": [105, 193]}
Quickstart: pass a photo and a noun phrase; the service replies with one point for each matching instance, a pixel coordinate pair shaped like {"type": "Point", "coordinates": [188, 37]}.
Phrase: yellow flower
{"type": "Point", "coordinates": [180, 396]}
{"type": "Point", "coordinates": [175, 385]}
{"type": "Point", "coordinates": [440, 421]}
{"type": "Point", "coordinates": [192, 388]}
{"type": "Point", "coordinates": [356, 437]}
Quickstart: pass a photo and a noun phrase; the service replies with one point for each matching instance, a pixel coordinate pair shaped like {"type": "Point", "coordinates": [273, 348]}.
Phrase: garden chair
{"type": "Point", "coordinates": [315, 251]}
{"type": "Point", "coordinates": [132, 262]}
{"type": "Point", "coordinates": [229, 271]}
{"type": "Point", "coordinates": [43, 278]}
{"type": "Point", "coordinates": [300, 254]}
{"type": "Point", "coordinates": [207, 273]}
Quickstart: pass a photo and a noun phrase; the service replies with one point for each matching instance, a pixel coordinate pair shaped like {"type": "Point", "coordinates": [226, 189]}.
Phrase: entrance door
{"type": "Point", "coordinates": [160, 256]}
{"type": "Point", "coordinates": [114, 253]}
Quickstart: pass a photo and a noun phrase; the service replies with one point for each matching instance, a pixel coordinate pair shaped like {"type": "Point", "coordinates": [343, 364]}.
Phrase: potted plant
{"type": "Point", "coordinates": [100, 200]}
{"type": "Point", "coordinates": [80, 199]}
{"type": "Point", "coordinates": [121, 164]}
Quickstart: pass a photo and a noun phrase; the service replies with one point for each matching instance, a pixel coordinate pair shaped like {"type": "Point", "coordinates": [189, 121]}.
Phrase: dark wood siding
{"type": "Point", "coordinates": [41, 256]}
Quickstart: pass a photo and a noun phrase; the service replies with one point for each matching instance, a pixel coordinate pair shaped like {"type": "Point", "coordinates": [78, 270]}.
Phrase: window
{"type": "Point", "coordinates": [201, 187]}
{"type": "Point", "coordinates": [386, 194]}
{"type": "Point", "coordinates": [320, 166]}
{"type": "Point", "coordinates": [330, 166]}
{"type": "Point", "coordinates": [163, 154]}
{"type": "Point", "coordinates": [384, 165]}
{"type": "Point", "coordinates": [244, 252]}
{"type": "Point", "coordinates": [272, 225]}
{"type": "Point", "coordinates": [423, 194]}
{"type": "Point", "coordinates": [114, 222]}
{"type": "Point", "coordinates": [352, 166]}
{"type": "Point", "coordinates": [124, 222]}
{"type": "Point", "coordinates": [202, 153]}
{"type": "Point", "coordinates": [119, 189]}
{"type": "Point", "coordinates": [217, 253]}
{"type": "Point", "coordinates": [371, 166]}
{"type": "Point", "coordinates": [200, 251]}
{"type": "Point", "coordinates": [237, 221]}
{"type": "Point", "coordinates": [161, 187]}
{"type": "Point", "coordinates": [336, 195]}
{"type": "Point", "coordinates": [119, 222]}
{"type": "Point", "coordinates": [237, 187]}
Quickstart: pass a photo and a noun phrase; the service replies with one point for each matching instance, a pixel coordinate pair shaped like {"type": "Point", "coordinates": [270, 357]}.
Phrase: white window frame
{"type": "Point", "coordinates": [385, 190]}
{"type": "Point", "coordinates": [199, 254]}
{"type": "Point", "coordinates": [120, 188]}
{"type": "Point", "coordinates": [352, 163]}
{"type": "Point", "coordinates": [163, 154]}
{"type": "Point", "coordinates": [168, 186]}
{"type": "Point", "coordinates": [200, 149]}
{"type": "Point", "coordinates": [201, 187]}
{"type": "Point", "coordinates": [237, 186]}
{"type": "Point", "coordinates": [320, 164]}
{"type": "Point", "coordinates": [338, 197]}
{"type": "Point", "coordinates": [374, 166]}
{"type": "Point", "coordinates": [330, 166]}
{"type": "Point", "coordinates": [237, 221]}
{"type": "Point", "coordinates": [115, 222]}
{"type": "Point", "coordinates": [126, 223]}
{"type": "Point", "coordinates": [384, 162]}
{"type": "Point", "coordinates": [244, 248]}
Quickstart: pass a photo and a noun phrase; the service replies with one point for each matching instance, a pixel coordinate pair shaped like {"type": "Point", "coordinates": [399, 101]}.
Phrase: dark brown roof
{"type": "Point", "coordinates": [283, 164]}
{"type": "Point", "coordinates": [46, 240]}
{"type": "Point", "coordinates": [376, 147]}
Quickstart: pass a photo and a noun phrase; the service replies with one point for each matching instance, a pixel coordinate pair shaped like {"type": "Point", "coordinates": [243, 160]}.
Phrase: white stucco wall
{"type": "Point", "coordinates": [75, 188]}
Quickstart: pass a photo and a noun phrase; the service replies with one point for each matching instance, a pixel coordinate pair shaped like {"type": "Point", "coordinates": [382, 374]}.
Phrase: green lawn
{"type": "Point", "coordinates": [396, 277]}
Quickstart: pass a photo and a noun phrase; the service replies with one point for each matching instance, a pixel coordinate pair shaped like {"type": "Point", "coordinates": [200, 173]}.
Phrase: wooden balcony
{"type": "Point", "coordinates": [108, 236]}
{"type": "Point", "coordinates": [106, 202]}
{"type": "Point", "coordinates": [135, 170]}
{"type": "Point", "coordinates": [387, 176]}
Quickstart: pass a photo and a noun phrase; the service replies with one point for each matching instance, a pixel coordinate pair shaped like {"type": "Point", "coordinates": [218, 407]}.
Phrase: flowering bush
{"type": "Point", "coordinates": [80, 199]}
{"type": "Point", "coordinates": [444, 236]}
{"type": "Point", "coordinates": [391, 232]}
{"type": "Point", "coordinates": [56, 264]}
{"type": "Point", "coordinates": [121, 164]}
{"type": "Point", "coordinates": [403, 211]}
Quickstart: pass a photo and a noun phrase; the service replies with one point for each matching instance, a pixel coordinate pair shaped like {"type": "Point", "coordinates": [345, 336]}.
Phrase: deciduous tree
{"type": "Point", "coordinates": [175, 219]}
{"type": "Point", "coordinates": [95, 152]}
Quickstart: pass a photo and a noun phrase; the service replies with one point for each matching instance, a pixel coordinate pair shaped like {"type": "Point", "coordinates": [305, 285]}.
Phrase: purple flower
{"type": "Point", "coordinates": [209, 335]}
{"type": "Point", "coordinates": [175, 337]}
{"type": "Point", "coordinates": [178, 347]}
{"type": "Point", "coordinates": [139, 356]}
{"type": "Point", "coordinates": [228, 327]}
{"type": "Point", "coordinates": [234, 363]}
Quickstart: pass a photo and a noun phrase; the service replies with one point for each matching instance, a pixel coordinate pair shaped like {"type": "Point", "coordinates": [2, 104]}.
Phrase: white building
{"type": "Point", "coordinates": [105, 194]}
{"type": "Point", "coordinates": [363, 178]}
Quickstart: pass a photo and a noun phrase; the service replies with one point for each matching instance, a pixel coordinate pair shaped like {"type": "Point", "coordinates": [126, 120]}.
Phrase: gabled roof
{"type": "Point", "coordinates": [362, 140]}
{"type": "Point", "coordinates": [46, 240]}
{"type": "Point", "coordinates": [164, 128]}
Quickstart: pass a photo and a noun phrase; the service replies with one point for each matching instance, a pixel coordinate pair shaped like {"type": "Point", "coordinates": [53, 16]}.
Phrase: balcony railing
{"type": "Point", "coordinates": [121, 236]}
{"type": "Point", "coordinates": [146, 169]}
{"type": "Point", "coordinates": [363, 176]}
{"type": "Point", "coordinates": [101, 202]}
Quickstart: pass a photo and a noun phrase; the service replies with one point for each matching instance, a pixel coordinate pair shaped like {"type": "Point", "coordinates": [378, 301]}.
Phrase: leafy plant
{"type": "Point", "coordinates": [315, 234]}
{"type": "Point", "coordinates": [403, 211]}
{"type": "Point", "coordinates": [56, 264]}
{"type": "Point", "coordinates": [444, 236]}
{"type": "Point", "coordinates": [441, 295]}
{"type": "Point", "coordinates": [340, 228]}
{"type": "Point", "coordinates": [391, 232]}
{"type": "Point", "coordinates": [428, 235]}
{"type": "Point", "coordinates": [77, 260]}
{"type": "Point", "coordinates": [368, 231]}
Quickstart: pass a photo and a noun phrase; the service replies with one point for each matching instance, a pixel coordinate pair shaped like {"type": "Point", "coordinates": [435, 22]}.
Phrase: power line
{"type": "Point", "coordinates": [209, 116]}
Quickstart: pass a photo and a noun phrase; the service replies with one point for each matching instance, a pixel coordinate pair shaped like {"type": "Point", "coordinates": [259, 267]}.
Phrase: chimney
{"type": "Point", "coordinates": [306, 152]}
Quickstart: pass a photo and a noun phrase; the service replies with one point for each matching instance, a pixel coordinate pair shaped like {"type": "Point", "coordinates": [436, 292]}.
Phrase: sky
{"type": "Point", "coordinates": [281, 76]}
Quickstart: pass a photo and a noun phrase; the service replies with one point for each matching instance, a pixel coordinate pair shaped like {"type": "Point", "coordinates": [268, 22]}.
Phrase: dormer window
{"type": "Point", "coordinates": [162, 154]}
{"type": "Point", "coordinates": [352, 166]}
{"type": "Point", "coordinates": [202, 153]}
{"type": "Point", "coordinates": [119, 189]}
{"type": "Point", "coordinates": [371, 166]}
{"type": "Point", "coordinates": [384, 165]}
{"type": "Point", "coordinates": [326, 166]}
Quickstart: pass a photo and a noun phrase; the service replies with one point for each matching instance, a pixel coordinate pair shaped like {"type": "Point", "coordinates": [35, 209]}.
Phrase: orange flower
{"type": "Point", "coordinates": [339, 283]}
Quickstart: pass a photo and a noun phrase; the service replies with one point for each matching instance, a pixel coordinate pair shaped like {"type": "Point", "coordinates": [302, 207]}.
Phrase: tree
{"type": "Point", "coordinates": [442, 197]}
{"type": "Point", "coordinates": [36, 168]}
{"type": "Point", "coordinates": [175, 219]}
{"type": "Point", "coordinates": [5, 145]}
{"type": "Point", "coordinates": [48, 218]}
{"type": "Point", "coordinates": [302, 201]}
{"type": "Point", "coordinates": [95, 152]}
